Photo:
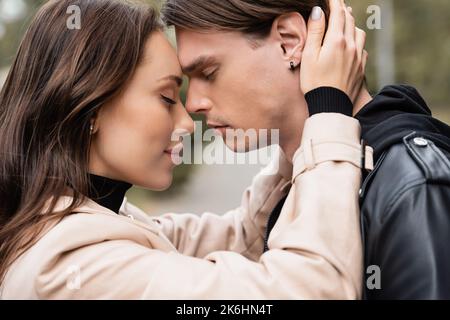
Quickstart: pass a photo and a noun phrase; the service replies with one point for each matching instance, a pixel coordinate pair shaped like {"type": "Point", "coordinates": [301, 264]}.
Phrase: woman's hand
{"type": "Point", "coordinates": [341, 60]}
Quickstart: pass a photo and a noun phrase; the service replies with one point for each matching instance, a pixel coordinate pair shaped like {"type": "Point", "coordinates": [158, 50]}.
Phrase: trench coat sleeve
{"type": "Point", "coordinates": [241, 230]}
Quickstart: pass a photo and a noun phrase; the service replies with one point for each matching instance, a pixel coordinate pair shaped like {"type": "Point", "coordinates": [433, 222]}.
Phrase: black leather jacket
{"type": "Point", "coordinates": [405, 213]}
{"type": "Point", "coordinates": [405, 201]}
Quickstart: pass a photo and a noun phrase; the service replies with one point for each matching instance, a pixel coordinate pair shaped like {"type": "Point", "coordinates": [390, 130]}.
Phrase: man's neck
{"type": "Point", "coordinates": [292, 128]}
{"type": "Point", "coordinates": [293, 145]}
{"type": "Point", "coordinates": [293, 137]}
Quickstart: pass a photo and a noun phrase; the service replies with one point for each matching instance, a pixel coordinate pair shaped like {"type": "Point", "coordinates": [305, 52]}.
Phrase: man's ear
{"type": "Point", "coordinates": [290, 31]}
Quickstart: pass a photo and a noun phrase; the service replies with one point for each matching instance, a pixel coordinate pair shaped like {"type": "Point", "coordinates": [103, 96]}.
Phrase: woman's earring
{"type": "Point", "coordinates": [292, 65]}
{"type": "Point", "coordinates": [91, 129]}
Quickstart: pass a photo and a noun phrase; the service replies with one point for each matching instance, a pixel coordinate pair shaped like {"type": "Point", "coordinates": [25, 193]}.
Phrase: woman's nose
{"type": "Point", "coordinates": [185, 122]}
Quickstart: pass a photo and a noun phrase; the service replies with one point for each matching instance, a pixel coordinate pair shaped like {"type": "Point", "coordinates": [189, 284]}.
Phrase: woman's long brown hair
{"type": "Point", "coordinates": [58, 81]}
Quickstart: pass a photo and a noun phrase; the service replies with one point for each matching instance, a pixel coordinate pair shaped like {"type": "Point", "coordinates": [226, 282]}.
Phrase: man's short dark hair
{"type": "Point", "coordinates": [253, 17]}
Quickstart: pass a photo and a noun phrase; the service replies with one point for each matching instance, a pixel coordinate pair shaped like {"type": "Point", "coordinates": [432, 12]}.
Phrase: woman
{"type": "Point", "coordinates": [87, 113]}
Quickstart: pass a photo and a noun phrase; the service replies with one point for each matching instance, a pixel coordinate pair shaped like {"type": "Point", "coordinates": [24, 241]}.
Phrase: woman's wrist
{"type": "Point", "coordinates": [330, 100]}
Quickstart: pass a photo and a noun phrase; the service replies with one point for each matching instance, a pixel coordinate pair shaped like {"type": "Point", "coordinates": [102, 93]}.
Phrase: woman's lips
{"type": "Point", "coordinates": [175, 153]}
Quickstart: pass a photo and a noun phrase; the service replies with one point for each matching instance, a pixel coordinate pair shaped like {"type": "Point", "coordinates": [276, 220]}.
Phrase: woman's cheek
{"type": "Point", "coordinates": [161, 127]}
{"type": "Point", "coordinates": [152, 128]}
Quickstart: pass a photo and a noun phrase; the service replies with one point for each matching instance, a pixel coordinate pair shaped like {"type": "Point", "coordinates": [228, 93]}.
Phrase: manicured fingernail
{"type": "Point", "coordinates": [316, 13]}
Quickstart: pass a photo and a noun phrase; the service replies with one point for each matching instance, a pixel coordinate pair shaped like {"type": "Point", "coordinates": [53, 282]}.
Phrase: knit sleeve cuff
{"type": "Point", "coordinates": [328, 99]}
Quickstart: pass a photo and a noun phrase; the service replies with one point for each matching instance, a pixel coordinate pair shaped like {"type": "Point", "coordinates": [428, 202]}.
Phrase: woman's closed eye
{"type": "Point", "coordinates": [168, 101]}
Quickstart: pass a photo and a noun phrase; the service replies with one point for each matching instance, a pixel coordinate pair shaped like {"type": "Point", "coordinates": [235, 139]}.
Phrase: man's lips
{"type": "Point", "coordinates": [216, 125]}
{"type": "Point", "coordinates": [219, 127]}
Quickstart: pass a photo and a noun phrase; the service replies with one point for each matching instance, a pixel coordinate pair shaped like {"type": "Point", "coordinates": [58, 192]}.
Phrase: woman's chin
{"type": "Point", "coordinates": [162, 188]}
{"type": "Point", "coordinates": [160, 183]}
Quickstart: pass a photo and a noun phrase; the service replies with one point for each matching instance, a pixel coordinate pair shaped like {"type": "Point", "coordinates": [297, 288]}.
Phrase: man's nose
{"type": "Point", "coordinates": [197, 102]}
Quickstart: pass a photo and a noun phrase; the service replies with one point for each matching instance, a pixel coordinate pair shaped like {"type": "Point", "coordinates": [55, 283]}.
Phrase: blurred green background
{"type": "Point", "coordinates": [411, 46]}
{"type": "Point", "coordinates": [419, 32]}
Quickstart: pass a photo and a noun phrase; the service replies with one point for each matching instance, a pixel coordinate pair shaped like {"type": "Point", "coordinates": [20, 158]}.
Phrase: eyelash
{"type": "Point", "coordinates": [168, 101]}
{"type": "Point", "coordinates": [211, 76]}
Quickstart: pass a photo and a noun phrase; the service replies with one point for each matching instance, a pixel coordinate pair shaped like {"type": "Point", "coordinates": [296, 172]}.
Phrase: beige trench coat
{"type": "Point", "coordinates": [315, 247]}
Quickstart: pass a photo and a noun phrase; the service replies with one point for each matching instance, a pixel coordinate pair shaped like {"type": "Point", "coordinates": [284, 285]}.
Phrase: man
{"type": "Point", "coordinates": [235, 52]}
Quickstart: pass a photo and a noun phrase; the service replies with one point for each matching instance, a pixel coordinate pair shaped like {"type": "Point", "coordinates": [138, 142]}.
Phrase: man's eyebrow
{"type": "Point", "coordinates": [177, 79]}
{"type": "Point", "coordinates": [198, 64]}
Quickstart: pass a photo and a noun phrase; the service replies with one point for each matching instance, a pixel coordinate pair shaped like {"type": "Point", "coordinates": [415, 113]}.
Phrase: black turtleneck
{"type": "Point", "coordinates": [107, 192]}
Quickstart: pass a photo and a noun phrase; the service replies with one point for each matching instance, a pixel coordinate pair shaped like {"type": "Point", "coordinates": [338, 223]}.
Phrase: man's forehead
{"type": "Point", "coordinates": [191, 43]}
{"type": "Point", "coordinates": [207, 40]}
{"type": "Point", "coordinates": [205, 48]}
{"type": "Point", "coordinates": [196, 50]}
{"type": "Point", "coordinates": [213, 42]}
